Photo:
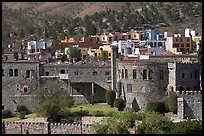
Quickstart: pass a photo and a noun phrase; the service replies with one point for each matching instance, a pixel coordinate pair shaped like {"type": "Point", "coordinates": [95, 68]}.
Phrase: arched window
{"type": "Point", "coordinates": [10, 72]}
{"type": "Point", "coordinates": [62, 71]}
{"type": "Point", "coordinates": [122, 73]}
{"type": "Point", "coordinates": [183, 75]}
{"type": "Point", "coordinates": [28, 74]}
{"type": "Point", "coordinates": [47, 73]}
{"type": "Point", "coordinates": [134, 74]}
{"type": "Point", "coordinates": [150, 74]}
{"type": "Point", "coordinates": [145, 74]}
{"type": "Point", "coordinates": [191, 75]}
{"type": "Point", "coordinates": [126, 74]}
{"type": "Point", "coordinates": [16, 72]}
{"type": "Point", "coordinates": [33, 74]}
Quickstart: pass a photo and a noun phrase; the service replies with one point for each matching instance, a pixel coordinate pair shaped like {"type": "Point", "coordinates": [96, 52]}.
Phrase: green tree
{"type": "Point", "coordinates": [120, 104]}
{"type": "Point", "coordinates": [110, 97]}
{"type": "Point", "coordinates": [118, 123]}
{"type": "Point", "coordinates": [172, 102]}
{"type": "Point", "coordinates": [52, 101]}
{"type": "Point", "coordinates": [187, 127]}
{"type": "Point", "coordinates": [155, 123]}
{"type": "Point", "coordinates": [74, 52]}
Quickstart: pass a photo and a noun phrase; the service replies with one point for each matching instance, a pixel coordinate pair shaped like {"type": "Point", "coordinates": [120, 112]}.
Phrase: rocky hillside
{"type": "Point", "coordinates": [56, 20]}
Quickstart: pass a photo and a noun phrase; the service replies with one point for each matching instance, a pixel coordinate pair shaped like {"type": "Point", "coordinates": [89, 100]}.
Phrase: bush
{"type": "Point", "coordinates": [98, 113]}
{"type": "Point", "coordinates": [120, 104]}
{"type": "Point", "coordinates": [20, 108]}
{"type": "Point", "coordinates": [139, 116]}
{"type": "Point", "coordinates": [155, 123]}
{"type": "Point", "coordinates": [110, 97]}
{"type": "Point", "coordinates": [172, 102]}
{"type": "Point", "coordinates": [166, 105]}
{"type": "Point", "coordinates": [6, 114]}
{"type": "Point", "coordinates": [156, 107]}
{"type": "Point", "coordinates": [110, 114]}
{"type": "Point", "coordinates": [22, 114]}
{"type": "Point", "coordinates": [187, 127]}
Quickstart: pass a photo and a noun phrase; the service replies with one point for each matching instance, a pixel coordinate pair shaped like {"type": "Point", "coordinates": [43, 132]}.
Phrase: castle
{"type": "Point", "coordinates": [137, 80]}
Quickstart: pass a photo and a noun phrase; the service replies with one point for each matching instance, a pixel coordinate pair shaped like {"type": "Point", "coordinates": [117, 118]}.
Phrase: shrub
{"type": "Point", "coordinates": [110, 97]}
{"type": "Point", "coordinates": [6, 114]}
{"type": "Point", "coordinates": [98, 113]}
{"type": "Point", "coordinates": [20, 108]}
{"type": "Point", "coordinates": [155, 123]}
{"type": "Point", "coordinates": [156, 107]}
{"type": "Point", "coordinates": [22, 114]}
{"type": "Point", "coordinates": [139, 116]}
{"type": "Point", "coordinates": [120, 104]}
{"type": "Point", "coordinates": [187, 127]}
{"type": "Point", "coordinates": [172, 102]}
{"type": "Point", "coordinates": [166, 105]}
{"type": "Point", "coordinates": [110, 114]}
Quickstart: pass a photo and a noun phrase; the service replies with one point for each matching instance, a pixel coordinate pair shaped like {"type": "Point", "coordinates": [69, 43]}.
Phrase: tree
{"type": "Point", "coordinates": [172, 102]}
{"type": "Point", "coordinates": [120, 104]}
{"type": "Point", "coordinates": [187, 127]}
{"type": "Point", "coordinates": [74, 52]}
{"type": "Point", "coordinates": [53, 100]}
{"type": "Point", "coordinates": [155, 123]}
{"type": "Point", "coordinates": [110, 97]}
{"type": "Point", "coordinates": [118, 123]}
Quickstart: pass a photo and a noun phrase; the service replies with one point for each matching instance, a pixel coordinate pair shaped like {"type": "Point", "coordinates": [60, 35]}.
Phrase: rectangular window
{"type": "Point", "coordinates": [76, 73]}
{"type": "Point", "coordinates": [181, 40]}
{"type": "Point", "coordinates": [107, 73]}
{"type": "Point", "coordinates": [161, 74]}
{"type": "Point", "coordinates": [78, 90]}
{"type": "Point", "coordinates": [25, 89]}
{"type": "Point", "coordinates": [122, 73]}
{"type": "Point", "coordinates": [187, 45]}
{"type": "Point", "coordinates": [126, 74]}
{"type": "Point", "coordinates": [109, 54]}
{"type": "Point", "coordinates": [95, 73]}
{"type": "Point", "coordinates": [187, 40]}
{"type": "Point", "coordinates": [176, 40]}
{"type": "Point", "coordinates": [129, 87]}
{"type": "Point", "coordinates": [144, 74]}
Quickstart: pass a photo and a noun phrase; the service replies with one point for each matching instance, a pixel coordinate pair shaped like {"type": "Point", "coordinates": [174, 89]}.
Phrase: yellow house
{"type": "Point", "coordinates": [196, 38]}
{"type": "Point", "coordinates": [84, 52]}
{"type": "Point", "coordinates": [104, 51]}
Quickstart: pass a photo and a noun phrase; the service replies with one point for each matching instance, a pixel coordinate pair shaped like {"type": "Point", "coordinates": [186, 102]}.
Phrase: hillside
{"type": "Point", "coordinates": [59, 19]}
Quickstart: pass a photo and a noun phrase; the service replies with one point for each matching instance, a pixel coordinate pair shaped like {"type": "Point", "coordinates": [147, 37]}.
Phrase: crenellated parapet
{"type": "Point", "coordinates": [189, 92]}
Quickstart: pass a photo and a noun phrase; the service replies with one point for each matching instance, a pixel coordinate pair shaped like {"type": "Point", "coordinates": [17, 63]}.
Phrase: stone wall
{"type": "Point", "coordinates": [51, 128]}
{"type": "Point", "coordinates": [191, 105]}
{"type": "Point", "coordinates": [16, 89]}
{"type": "Point", "coordinates": [143, 90]}
{"type": "Point", "coordinates": [184, 76]}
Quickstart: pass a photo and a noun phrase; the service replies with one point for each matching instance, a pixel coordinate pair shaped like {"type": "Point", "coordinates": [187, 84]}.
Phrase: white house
{"type": "Point", "coordinates": [35, 46]}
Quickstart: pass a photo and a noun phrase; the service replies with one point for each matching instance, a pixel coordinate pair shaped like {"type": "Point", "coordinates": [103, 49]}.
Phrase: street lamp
{"type": "Point", "coordinates": [81, 118]}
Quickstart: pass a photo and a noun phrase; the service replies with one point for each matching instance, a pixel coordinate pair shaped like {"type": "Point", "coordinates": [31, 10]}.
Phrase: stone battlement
{"type": "Point", "coordinates": [189, 93]}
